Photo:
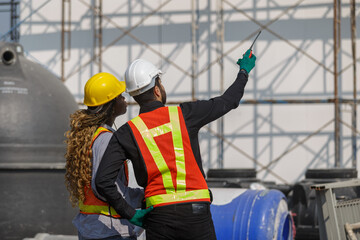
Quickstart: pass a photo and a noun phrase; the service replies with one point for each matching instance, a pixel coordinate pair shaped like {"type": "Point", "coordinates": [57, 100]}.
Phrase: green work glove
{"type": "Point", "coordinates": [138, 218]}
{"type": "Point", "coordinates": [247, 63]}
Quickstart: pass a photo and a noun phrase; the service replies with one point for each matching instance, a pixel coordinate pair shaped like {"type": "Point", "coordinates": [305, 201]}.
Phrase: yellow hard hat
{"type": "Point", "coordinates": [102, 88]}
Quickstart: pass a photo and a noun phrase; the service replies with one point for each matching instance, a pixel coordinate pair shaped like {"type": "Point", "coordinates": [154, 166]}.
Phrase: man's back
{"type": "Point", "coordinates": [162, 142]}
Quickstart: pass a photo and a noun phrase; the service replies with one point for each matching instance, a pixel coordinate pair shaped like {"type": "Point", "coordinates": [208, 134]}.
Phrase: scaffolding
{"type": "Point", "coordinates": [11, 7]}
{"type": "Point", "coordinates": [220, 40]}
{"type": "Point", "coordinates": [99, 19]}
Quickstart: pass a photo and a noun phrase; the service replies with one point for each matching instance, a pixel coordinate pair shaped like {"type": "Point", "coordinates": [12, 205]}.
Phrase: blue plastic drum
{"type": "Point", "coordinates": [253, 215]}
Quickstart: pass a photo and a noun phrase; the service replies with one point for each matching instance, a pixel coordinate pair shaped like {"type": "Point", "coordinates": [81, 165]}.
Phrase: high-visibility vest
{"type": "Point", "coordinates": [173, 173]}
{"type": "Point", "coordinates": [91, 204]}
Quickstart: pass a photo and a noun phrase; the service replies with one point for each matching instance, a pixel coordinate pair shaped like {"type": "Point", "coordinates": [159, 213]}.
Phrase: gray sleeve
{"type": "Point", "coordinates": [98, 150]}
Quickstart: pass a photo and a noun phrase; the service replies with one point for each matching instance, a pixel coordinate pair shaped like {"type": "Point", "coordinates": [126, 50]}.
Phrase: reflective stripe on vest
{"type": "Point", "coordinates": [172, 195]}
{"type": "Point", "coordinates": [94, 209]}
{"type": "Point", "coordinates": [91, 204]}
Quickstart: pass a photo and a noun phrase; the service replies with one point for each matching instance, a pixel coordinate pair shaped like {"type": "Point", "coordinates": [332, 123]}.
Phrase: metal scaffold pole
{"type": "Point", "coordinates": [97, 10]}
{"type": "Point", "coordinates": [194, 59]}
{"type": "Point", "coordinates": [65, 32]}
{"type": "Point", "coordinates": [220, 51]}
{"type": "Point", "coordinates": [14, 19]}
{"type": "Point", "coordinates": [336, 94]}
{"type": "Point", "coordinates": [353, 113]}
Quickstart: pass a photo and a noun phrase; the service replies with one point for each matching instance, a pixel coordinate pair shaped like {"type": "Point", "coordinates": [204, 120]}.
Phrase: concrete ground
{"type": "Point", "coordinates": [46, 236]}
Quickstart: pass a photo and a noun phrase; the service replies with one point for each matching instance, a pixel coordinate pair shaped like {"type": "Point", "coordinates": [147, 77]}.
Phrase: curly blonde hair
{"type": "Point", "coordinates": [78, 156]}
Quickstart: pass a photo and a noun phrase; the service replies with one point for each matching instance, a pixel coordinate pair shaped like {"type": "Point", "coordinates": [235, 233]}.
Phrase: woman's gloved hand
{"type": "Point", "coordinates": [138, 218]}
{"type": "Point", "coordinates": [247, 63]}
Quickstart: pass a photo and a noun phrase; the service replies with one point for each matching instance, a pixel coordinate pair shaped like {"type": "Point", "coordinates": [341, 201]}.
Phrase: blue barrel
{"type": "Point", "coordinates": [253, 215]}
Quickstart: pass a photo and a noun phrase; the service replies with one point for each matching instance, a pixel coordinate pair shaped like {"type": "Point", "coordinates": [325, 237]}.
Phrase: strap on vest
{"type": "Point", "coordinates": [98, 131]}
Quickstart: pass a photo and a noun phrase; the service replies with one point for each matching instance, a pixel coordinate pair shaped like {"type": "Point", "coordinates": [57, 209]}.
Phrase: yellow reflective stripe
{"type": "Point", "coordinates": [100, 129]}
{"type": "Point", "coordinates": [97, 209]}
{"type": "Point", "coordinates": [179, 149]}
{"type": "Point", "coordinates": [155, 153]}
{"type": "Point", "coordinates": [157, 131]}
{"type": "Point", "coordinates": [177, 197]}
{"type": "Point", "coordinates": [97, 132]}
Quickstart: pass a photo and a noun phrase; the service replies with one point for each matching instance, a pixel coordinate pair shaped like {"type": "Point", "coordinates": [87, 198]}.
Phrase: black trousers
{"type": "Point", "coordinates": [180, 222]}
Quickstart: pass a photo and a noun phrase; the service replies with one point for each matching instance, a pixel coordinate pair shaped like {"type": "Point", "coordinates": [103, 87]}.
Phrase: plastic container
{"type": "Point", "coordinates": [252, 215]}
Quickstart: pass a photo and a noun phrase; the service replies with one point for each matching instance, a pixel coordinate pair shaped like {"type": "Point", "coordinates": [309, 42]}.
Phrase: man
{"type": "Point", "coordinates": [162, 143]}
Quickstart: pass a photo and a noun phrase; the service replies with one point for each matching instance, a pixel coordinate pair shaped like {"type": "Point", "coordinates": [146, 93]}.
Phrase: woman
{"type": "Point", "coordinates": [86, 143]}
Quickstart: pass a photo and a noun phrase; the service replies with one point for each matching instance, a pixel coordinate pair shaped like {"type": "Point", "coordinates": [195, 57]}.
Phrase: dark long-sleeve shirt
{"type": "Point", "coordinates": [123, 146]}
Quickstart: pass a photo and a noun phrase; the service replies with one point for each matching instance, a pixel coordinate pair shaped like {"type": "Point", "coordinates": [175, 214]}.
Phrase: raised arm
{"type": "Point", "coordinates": [200, 113]}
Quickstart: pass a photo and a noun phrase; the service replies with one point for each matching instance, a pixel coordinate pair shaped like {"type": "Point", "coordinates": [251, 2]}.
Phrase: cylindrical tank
{"type": "Point", "coordinates": [251, 214]}
{"type": "Point", "coordinates": [34, 115]}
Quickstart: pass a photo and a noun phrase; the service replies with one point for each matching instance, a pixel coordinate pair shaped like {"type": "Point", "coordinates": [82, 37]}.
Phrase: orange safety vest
{"type": "Point", "coordinates": [91, 204]}
{"type": "Point", "coordinates": [173, 173]}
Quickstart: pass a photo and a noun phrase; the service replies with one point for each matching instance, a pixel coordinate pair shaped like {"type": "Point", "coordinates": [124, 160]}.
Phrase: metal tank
{"type": "Point", "coordinates": [34, 115]}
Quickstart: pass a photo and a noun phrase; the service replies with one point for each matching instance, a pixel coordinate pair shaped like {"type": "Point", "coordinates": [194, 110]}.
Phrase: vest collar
{"type": "Point", "coordinates": [107, 127]}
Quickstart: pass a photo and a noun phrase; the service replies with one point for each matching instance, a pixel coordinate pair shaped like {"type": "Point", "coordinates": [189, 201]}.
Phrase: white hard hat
{"type": "Point", "coordinates": [140, 76]}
